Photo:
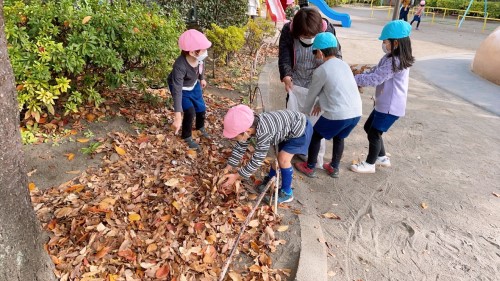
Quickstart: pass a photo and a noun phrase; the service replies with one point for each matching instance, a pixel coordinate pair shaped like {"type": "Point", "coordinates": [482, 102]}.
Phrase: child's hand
{"type": "Point", "coordinates": [203, 83]}
{"type": "Point", "coordinates": [230, 179]}
{"type": "Point", "coordinates": [177, 122]}
{"type": "Point", "coordinates": [227, 169]}
{"type": "Point", "coordinates": [316, 110]}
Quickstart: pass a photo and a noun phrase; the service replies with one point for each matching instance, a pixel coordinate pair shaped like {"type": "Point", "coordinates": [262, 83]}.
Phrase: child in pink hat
{"type": "Point", "coordinates": [186, 82]}
{"type": "Point", "coordinates": [288, 129]}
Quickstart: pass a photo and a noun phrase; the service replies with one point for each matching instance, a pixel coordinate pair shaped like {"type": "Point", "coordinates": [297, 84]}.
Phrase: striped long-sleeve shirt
{"type": "Point", "coordinates": [273, 128]}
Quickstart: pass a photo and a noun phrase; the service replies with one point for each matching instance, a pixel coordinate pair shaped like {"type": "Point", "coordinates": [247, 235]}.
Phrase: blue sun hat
{"type": "Point", "coordinates": [324, 40]}
{"type": "Point", "coordinates": [395, 29]}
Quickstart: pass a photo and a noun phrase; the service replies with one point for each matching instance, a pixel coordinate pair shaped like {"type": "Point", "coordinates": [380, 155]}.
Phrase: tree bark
{"type": "Point", "coordinates": [22, 256]}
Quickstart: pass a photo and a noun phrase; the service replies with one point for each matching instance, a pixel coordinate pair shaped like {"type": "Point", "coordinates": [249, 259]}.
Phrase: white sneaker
{"type": "Point", "coordinates": [363, 168]}
{"type": "Point", "coordinates": [383, 161]}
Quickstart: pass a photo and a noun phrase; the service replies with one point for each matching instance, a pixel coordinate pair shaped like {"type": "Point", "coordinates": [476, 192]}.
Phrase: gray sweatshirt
{"type": "Point", "coordinates": [338, 93]}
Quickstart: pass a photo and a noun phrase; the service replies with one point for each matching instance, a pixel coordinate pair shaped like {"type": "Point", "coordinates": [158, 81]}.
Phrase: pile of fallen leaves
{"type": "Point", "coordinates": [238, 73]}
{"type": "Point", "coordinates": [153, 210]}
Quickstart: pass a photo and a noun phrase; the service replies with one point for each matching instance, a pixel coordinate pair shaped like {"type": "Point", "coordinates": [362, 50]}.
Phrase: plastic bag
{"type": "Point", "coordinates": [296, 102]}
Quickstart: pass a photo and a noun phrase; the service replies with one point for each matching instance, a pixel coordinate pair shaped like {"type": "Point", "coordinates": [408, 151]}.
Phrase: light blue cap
{"type": "Point", "coordinates": [324, 40]}
{"type": "Point", "coordinates": [395, 29]}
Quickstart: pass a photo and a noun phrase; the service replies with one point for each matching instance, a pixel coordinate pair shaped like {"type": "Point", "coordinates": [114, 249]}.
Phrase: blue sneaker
{"type": "Point", "coordinates": [282, 197]}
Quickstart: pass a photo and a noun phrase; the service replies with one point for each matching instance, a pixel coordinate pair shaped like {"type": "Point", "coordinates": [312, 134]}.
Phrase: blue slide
{"type": "Point", "coordinates": [345, 19]}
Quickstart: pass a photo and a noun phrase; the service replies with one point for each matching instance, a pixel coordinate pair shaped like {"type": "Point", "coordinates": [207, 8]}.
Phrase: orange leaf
{"type": "Point", "coordinates": [104, 251]}
{"type": "Point", "coordinates": [52, 224]}
{"type": "Point", "coordinates": [86, 19]}
{"type": "Point", "coordinates": [134, 216]}
{"type": "Point", "coordinates": [70, 156]}
{"type": "Point", "coordinates": [31, 186]}
{"type": "Point", "coordinates": [120, 150]}
{"type": "Point", "coordinates": [127, 254]}
{"type": "Point", "coordinates": [112, 277]}
{"type": "Point", "coordinates": [20, 87]}
{"type": "Point", "coordinates": [82, 140]}
{"type": "Point", "coordinates": [55, 260]}
{"type": "Point", "coordinates": [90, 117]}
{"type": "Point", "coordinates": [142, 139]}
{"type": "Point", "coordinates": [162, 272]}
{"type": "Point", "coordinates": [75, 188]}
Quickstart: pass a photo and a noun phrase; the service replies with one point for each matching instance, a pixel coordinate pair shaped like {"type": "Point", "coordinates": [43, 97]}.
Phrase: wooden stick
{"type": "Point", "coordinates": [243, 227]}
{"type": "Point", "coordinates": [276, 187]}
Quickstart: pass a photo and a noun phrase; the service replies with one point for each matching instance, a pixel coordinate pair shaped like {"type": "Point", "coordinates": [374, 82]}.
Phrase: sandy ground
{"type": "Point", "coordinates": [445, 157]}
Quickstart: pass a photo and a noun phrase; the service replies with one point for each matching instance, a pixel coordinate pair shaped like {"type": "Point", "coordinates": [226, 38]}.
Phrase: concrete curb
{"type": "Point", "coordinates": [312, 263]}
{"type": "Point", "coordinates": [313, 257]}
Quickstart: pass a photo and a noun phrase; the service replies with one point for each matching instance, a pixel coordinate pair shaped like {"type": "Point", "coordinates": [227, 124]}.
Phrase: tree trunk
{"type": "Point", "coordinates": [22, 256]}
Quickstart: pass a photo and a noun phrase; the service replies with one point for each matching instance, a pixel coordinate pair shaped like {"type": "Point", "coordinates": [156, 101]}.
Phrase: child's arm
{"type": "Point", "coordinates": [178, 74]}
{"type": "Point", "coordinates": [238, 152]}
{"type": "Point", "coordinates": [261, 149]}
{"type": "Point", "coordinates": [318, 81]}
{"type": "Point", "coordinates": [257, 159]}
{"type": "Point", "coordinates": [379, 75]}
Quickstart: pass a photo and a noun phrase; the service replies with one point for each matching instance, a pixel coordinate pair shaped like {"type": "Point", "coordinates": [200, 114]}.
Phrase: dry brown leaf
{"type": "Point", "coordinates": [70, 156]}
{"type": "Point", "coordinates": [253, 223]}
{"type": "Point", "coordinates": [104, 251]}
{"type": "Point", "coordinates": [255, 268]}
{"type": "Point", "coordinates": [90, 117]}
{"type": "Point", "coordinates": [127, 254]}
{"type": "Point", "coordinates": [83, 140]}
{"type": "Point", "coordinates": [75, 172]}
{"type": "Point", "coordinates": [176, 205]}
{"type": "Point", "coordinates": [496, 194]}
{"type": "Point", "coordinates": [282, 228]}
{"type": "Point", "coordinates": [151, 248]}
{"type": "Point", "coordinates": [424, 205]}
{"type": "Point", "coordinates": [113, 277]}
{"type": "Point", "coordinates": [134, 217]}
{"type": "Point", "coordinates": [235, 276]}
{"type": "Point", "coordinates": [75, 188]}
{"type": "Point", "coordinates": [330, 216]}
{"type": "Point", "coordinates": [172, 182]}
{"type": "Point", "coordinates": [120, 150]}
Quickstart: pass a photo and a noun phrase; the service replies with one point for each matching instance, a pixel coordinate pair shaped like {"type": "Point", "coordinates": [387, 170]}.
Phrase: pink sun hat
{"type": "Point", "coordinates": [237, 120]}
{"type": "Point", "coordinates": [193, 40]}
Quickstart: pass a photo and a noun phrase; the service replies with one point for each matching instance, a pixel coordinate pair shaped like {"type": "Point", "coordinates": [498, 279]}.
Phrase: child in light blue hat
{"type": "Point", "coordinates": [390, 77]}
{"type": "Point", "coordinates": [334, 87]}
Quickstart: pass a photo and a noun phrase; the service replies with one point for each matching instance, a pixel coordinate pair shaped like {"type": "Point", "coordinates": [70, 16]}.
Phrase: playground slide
{"type": "Point", "coordinates": [276, 10]}
{"type": "Point", "coordinates": [345, 19]}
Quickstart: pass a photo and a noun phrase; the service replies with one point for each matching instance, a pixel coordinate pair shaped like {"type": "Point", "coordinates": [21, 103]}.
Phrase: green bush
{"type": "Point", "coordinates": [257, 30]}
{"type": "Point", "coordinates": [225, 40]}
{"type": "Point", "coordinates": [224, 13]}
{"type": "Point", "coordinates": [70, 50]}
{"type": "Point", "coordinates": [477, 6]}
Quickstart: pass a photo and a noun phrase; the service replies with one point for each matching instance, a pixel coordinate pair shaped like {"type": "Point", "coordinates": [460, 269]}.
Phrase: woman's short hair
{"type": "Point", "coordinates": [307, 22]}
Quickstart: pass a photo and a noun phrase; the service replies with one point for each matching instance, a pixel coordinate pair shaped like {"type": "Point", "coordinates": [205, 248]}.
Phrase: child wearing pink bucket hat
{"type": "Point", "coordinates": [288, 129]}
{"type": "Point", "coordinates": [186, 82]}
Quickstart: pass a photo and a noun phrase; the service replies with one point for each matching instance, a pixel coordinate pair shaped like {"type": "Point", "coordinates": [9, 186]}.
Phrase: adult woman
{"type": "Point", "coordinates": [296, 61]}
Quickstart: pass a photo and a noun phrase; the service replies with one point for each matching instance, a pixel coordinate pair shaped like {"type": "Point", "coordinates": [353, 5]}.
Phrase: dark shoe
{"type": "Point", "coordinates": [302, 167]}
{"type": "Point", "coordinates": [191, 143]}
{"type": "Point", "coordinates": [331, 171]}
{"type": "Point", "coordinates": [260, 188]}
{"type": "Point", "coordinates": [204, 133]}
{"type": "Point", "coordinates": [282, 197]}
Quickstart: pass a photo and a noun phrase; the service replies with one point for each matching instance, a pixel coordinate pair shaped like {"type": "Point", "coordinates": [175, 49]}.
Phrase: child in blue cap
{"type": "Point", "coordinates": [390, 77]}
{"type": "Point", "coordinates": [338, 97]}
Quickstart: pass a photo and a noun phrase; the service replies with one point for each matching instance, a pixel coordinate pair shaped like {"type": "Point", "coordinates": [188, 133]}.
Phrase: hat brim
{"type": "Point", "coordinates": [229, 135]}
